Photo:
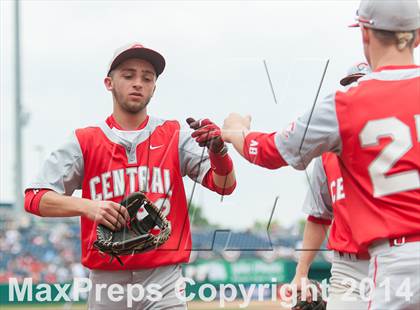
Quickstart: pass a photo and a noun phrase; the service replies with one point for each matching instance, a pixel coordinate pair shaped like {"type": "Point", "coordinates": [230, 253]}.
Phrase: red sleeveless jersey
{"type": "Point", "coordinates": [156, 171]}
{"type": "Point", "coordinates": [379, 125]}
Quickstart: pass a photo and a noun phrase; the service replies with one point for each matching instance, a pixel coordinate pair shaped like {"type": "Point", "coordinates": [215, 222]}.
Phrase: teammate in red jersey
{"type": "Point", "coordinates": [325, 205]}
{"type": "Point", "coordinates": [128, 152]}
{"type": "Point", "coordinates": [374, 127]}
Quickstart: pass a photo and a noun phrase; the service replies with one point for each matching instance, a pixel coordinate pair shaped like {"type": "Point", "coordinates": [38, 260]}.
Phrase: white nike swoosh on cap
{"type": "Point", "coordinates": [155, 147]}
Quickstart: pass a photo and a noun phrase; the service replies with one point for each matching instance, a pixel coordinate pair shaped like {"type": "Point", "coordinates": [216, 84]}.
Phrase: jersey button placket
{"type": "Point", "coordinates": [131, 151]}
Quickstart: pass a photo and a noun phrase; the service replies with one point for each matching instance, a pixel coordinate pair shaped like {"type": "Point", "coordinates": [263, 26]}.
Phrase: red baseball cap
{"type": "Point", "coordinates": [137, 50]}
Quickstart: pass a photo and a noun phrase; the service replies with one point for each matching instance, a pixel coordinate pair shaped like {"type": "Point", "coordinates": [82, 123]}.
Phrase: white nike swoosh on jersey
{"type": "Point", "coordinates": [155, 147]}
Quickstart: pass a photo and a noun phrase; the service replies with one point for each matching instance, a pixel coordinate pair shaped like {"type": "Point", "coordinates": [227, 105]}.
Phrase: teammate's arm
{"type": "Point", "coordinates": [257, 147]}
{"type": "Point", "coordinates": [235, 129]}
{"type": "Point", "coordinates": [313, 236]}
{"type": "Point", "coordinates": [311, 135]}
{"type": "Point", "coordinates": [318, 206]}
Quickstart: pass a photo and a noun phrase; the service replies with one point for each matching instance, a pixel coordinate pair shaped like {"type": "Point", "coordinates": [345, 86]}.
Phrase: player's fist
{"type": "Point", "coordinates": [207, 133]}
{"type": "Point", "coordinates": [295, 287]}
{"type": "Point", "coordinates": [235, 124]}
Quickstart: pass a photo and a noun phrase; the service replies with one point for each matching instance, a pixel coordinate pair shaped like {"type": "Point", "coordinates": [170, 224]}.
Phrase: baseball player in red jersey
{"type": "Point", "coordinates": [324, 201]}
{"type": "Point", "coordinates": [128, 152]}
{"type": "Point", "coordinates": [374, 128]}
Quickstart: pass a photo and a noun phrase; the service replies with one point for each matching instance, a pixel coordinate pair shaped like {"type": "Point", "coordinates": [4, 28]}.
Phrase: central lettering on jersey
{"type": "Point", "coordinates": [337, 190]}
{"type": "Point", "coordinates": [114, 183]}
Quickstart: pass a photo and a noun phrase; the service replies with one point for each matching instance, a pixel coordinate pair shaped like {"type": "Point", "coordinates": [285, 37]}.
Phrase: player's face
{"type": "Point", "coordinates": [132, 84]}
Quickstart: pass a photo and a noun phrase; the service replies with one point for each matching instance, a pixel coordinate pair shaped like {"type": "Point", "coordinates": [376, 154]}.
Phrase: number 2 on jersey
{"type": "Point", "coordinates": [401, 143]}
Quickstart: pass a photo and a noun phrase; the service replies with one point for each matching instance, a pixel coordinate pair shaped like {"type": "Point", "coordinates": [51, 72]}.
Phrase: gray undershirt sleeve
{"type": "Point", "coordinates": [63, 170]}
{"type": "Point", "coordinates": [318, 201]}
{"type": "Point", "coordinates": [310, 135]}
{"type": "Point", "coordinates": [194, 160]}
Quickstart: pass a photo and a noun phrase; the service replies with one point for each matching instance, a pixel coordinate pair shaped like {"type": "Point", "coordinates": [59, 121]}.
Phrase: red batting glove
{"type": "Point", "coordinates": [208, 134]}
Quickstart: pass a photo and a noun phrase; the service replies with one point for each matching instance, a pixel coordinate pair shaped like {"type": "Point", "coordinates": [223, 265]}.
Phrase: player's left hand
{"type": "Point", "coordinates": [235, 124]}
{"type": "Point", "coordinates": [207, 133]}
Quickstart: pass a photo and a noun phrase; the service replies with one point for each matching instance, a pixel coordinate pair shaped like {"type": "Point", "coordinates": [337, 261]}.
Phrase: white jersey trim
{"type": "Point", "coordinates": [392, 75]}
{"type": "Point", "coordinates": [131, 146]}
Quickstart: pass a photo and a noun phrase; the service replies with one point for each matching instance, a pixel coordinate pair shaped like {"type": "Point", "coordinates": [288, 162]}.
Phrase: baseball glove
{"type": "Point", "coordinates": [318, 304]}
{"type": "Point", "coordinates": [139, 235]}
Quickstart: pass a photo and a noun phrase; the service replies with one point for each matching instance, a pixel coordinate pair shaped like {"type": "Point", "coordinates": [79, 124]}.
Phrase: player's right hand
{"type": "Point", "coordinates": [235, 124]}
{"type": "Point", "coordinates": [108, 213]}
{"type": "Point", "coordinates": [296, 286]}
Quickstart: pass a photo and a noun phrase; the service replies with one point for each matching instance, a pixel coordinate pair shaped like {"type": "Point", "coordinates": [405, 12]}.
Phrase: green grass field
{"type": "Point", "coordinates": [191, 306]}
